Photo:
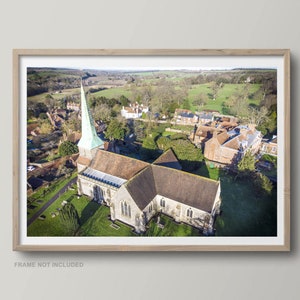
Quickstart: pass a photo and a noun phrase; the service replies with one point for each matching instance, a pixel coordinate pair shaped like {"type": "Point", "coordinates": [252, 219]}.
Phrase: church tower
{"type": "Point", "coordinates": [89, 142]}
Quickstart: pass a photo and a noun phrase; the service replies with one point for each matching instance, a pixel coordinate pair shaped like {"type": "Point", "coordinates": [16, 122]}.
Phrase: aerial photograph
{"type": "Point", "coordinates": [151, 153]}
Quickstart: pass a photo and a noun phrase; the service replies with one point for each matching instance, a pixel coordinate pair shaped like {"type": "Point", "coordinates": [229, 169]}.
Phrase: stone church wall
{"type": "Point", "coordinates": [133, 217]}
{"type": "Point", "coordinates": [181, 212]}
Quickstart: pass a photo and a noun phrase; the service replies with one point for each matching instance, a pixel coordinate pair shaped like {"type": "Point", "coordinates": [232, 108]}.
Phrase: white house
{"type": "Point", "coordinates": [134, 111]}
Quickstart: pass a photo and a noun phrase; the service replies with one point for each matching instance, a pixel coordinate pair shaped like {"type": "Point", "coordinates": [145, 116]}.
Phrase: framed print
{"type": "Point", "coordinates": [151, 150]}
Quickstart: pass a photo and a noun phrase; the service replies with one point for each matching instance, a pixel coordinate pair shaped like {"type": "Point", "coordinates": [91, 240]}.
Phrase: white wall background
{"type": "Point", "coordinates": [147, 24]}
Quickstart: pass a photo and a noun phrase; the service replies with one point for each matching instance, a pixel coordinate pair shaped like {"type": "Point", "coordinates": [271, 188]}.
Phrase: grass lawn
{"type": "Point", "coordinates": [44, 194]}
{"type": "Point", "coordinates": [169, 133]}
{"type": "Point", "coordinates": [244, 213]}
{"type": "Point", "coordinates": [52, 226]}
{"type": "Point", "coordinates": [56, 96]}
{"type": "Point", "coordinates": [94, 221]}
{"type": "Point", "coordinates": [170, 228]}
{"type": "Point", "coordinates": [98, 224]}
{"type": "Point", "coordinates": [224, 95]}
{"type": "Point", "coordinates": [113, 93]}
{"type": "Point", "coordinates": [207, 171]}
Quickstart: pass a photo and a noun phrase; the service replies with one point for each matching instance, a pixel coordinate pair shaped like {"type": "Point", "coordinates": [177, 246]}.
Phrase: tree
{"type": "Point", "coordinates": [269, 124]}
{"type": "Point", "coordinates": [149, 148]}
{"type": "Point", "coordinates": [124, 100]}
{"type": "Point", "coordinates": [262, 184]}
{"type": "Point", "coordinates": [37, 108]}
{"type": "Point", "coordinates": [69, 218]}
{"type": "Point", "coordinates": [138, 129]}
{"type": "Point", "coordinates": [102, 112]}
{"type": "Point", "coordinates": [257, 116]}
{"type": "Point", "coordinates": [163, 143]}
{"type": "Point", "coordinates": [116, 130]}
{"type": "Point", "coordinates": [246, 165]}
{"type": "Point", "coordinates": [49, 101]}
{"type": "Point", "coordinates": [186, 104]}
{"type": "Point", "coordinates": [67, 148]}
{"type": "Point", "coordinates": [215, 87]}
{"type": "Point", "coordinates": [45, 127]}
{"type": "Point", "coordinates": [240, 101]}
{"type": "Point", "coordinates": [200, 100]}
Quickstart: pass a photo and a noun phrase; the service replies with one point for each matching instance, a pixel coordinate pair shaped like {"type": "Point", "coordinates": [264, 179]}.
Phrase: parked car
{"type": "Point", "coordinates": [30, 168]}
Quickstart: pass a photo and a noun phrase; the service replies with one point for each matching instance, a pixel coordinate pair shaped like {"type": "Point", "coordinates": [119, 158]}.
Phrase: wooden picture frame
{"type": "Point", "coordinates": [216, 59]}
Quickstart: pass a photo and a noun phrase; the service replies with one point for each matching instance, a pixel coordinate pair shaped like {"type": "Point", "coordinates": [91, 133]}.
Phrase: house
{"type": "Point", "coordinates": [203, 133]}
{"type": "Point", "coordinates": [185, 116]}
{"type": "Point", "coordinates": [57, 117]}
{"type": "Point", "coordinates": [73, 106]}
{"type": "Point", "coordinates": [269, 146]}
{"type": "Point", "coordinates": [228, 148]}
{"type": "Point", "coordinates": [205, 117]}
{"type": "Point", "coordinates": [136, 191]}
{"type": "Point", "coordinates": [134, 111]}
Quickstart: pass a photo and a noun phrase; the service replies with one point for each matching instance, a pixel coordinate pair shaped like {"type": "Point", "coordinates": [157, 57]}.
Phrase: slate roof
{"type": "Point", "coordinates": [35, 182]}
{"type": "Point", "coordinates": [168, 159]}
{"type": "Point", "coordinates": [117, 165]}
{"type": "Point", "coordinates": [142, 188]}
{"type": "Point", "coordinates": [186, 188]}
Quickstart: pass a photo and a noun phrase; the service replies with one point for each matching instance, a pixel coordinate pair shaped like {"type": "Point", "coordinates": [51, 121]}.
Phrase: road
{"type": "Point", "coordinates": [54, 198]}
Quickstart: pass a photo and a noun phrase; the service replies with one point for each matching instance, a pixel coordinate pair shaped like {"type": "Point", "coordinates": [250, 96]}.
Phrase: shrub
{"type": "Point", "coordinates": [67, 148]}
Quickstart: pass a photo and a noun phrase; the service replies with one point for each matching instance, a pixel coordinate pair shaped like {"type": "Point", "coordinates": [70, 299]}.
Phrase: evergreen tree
{"type": "Point", "coordinates": [69, 218]}
{"type": "Point", "coordinates": [149, 148]}
{"type": "Point", "coordinates": [116, 130]}
{"type": "Point", "coordinates": [67, 148]}
{"type": "Point", "coordinates": [262, 184]}
{"type": "Point", "coordinates": [246, 165]}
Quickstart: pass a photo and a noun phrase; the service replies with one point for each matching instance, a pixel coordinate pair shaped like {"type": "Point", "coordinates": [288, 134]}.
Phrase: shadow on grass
{"type": "Point", "coordinates": [89, 210]}
{"type": "Point", "coordinates": [244, 212]}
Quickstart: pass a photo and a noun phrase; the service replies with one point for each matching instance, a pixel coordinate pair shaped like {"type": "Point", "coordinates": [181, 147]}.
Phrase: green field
{"type": "Point", "coordinates": [56, 96]}
{"type": "Point", "coordinates": [116, 92]}
{"type": "Point", "coordinates": [224, 95]}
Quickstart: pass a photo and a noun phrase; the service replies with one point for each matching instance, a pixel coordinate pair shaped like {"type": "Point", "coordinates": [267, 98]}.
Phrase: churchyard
{"type": "Point", "coordinates": [243, 213]}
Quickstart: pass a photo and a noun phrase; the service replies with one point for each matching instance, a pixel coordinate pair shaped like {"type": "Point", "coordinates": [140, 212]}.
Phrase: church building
{"type": "Point", "coordinates": [136, 190]}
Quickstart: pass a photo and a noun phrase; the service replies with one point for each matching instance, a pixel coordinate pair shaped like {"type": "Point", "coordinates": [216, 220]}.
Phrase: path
{"type": "Point", "coordinates": [54, 198]}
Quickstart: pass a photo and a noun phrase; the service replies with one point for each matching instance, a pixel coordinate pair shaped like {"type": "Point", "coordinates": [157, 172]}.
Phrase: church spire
{"type": "Point", "coordinates": [89, 138]}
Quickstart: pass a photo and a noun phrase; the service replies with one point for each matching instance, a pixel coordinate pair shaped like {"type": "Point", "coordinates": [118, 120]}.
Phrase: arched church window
{"type": "Point", "coordinates": [125, 209]}
{"type": "Point", "coordinates": [129, 211]}
{"type": "Point", "coordinates": [122, 208]}
{"type": "Point", "coordinates": [189, 213]}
